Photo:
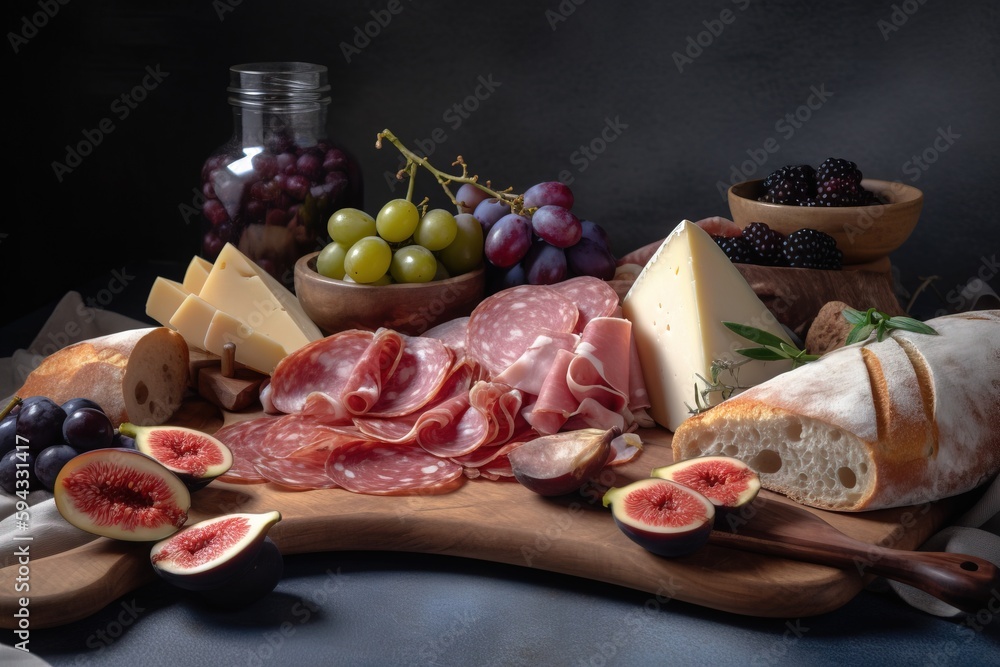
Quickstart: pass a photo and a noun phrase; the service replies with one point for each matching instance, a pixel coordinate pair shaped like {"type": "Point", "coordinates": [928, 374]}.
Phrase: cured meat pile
{"type": "Point", "coordinates": [386, 413]}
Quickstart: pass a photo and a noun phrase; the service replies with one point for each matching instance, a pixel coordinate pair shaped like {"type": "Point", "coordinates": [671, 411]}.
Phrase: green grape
{"type": "Point", "coordinates": [330, 260]}
{"type": "Point", "coordinates": [413, 264]}
{"type": "Point", "coordinates": [349, 225]}
{"type": "Point", "coordinates": [466, 251]}
{"type": "Point", "coordinates": [397, 220]}
{"type": "Point", "coordinates": [368, 260]}
{"type": "Point", "coordinates": [436, 230]}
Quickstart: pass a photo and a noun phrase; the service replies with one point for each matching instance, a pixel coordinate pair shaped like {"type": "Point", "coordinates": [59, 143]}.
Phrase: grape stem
{"type": "Point", "coordinates": [13, 403]}
{"type": "Point", "coordinates": [413, 161]}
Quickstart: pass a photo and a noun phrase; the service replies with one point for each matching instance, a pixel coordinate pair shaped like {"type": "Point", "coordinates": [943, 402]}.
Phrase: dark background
{"type": "Point", "coordinates": [898, 75]}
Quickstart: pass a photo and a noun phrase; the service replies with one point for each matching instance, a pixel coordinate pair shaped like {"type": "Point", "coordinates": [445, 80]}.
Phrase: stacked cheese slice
{"type": "Point", "coordinates": [233, 301]}
{"type": "Point", "coordinates": [677, 307]}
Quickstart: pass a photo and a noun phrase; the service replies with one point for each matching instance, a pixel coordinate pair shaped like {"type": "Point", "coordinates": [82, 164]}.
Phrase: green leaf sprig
{"type": "Point", "coordinates": [772, 348]}
{"type": "Point", "coordinates": [863, 324]}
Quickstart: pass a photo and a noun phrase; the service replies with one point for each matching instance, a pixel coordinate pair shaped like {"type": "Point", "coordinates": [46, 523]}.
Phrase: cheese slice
{"type": "Point", "coordinates": [677, 306]}
{"type": "Point", "coordinates": [253, 349]}
{"type": "Point", "coordinates": [165, 297]}
{"type": "Point", "coordinates": [192, 319]}
{"type": "Point", "coordinates": [239, 287]}
{"type": "Point", "coordinates": [196, 274]}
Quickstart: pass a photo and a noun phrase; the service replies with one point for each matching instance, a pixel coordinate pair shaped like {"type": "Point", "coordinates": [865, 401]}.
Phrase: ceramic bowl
{"type": "Point", "coordinates": [863, 233]}
{"type": "Point", "coordinates": [335, 305]}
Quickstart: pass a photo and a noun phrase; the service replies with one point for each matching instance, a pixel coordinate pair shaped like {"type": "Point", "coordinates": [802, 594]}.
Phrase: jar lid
{"type": "Point", "coordinates": [285, 85]}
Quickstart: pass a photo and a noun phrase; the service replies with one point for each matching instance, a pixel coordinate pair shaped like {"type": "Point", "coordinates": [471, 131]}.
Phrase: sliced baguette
{"type": "Point", "coordinates": [139, 376]}
{"type": "Point", "coordinates": [911, 419]}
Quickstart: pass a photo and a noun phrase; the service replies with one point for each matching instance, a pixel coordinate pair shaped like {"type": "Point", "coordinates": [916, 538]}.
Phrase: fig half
{"type": "Point", "coordinates": [553, 465]}
{"type": "Point", "coordinates": [196, 457]}
{"type": "Point", "coordinates": [662, 516]}
{"type": "Point", "coordinates": [212, 553]}
{"type": "Point", "coordinates": [122, 494]}
{"type": "Point", "coordinates": [728, 482]}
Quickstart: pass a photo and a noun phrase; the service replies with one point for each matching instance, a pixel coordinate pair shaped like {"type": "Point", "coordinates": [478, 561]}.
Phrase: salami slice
{"type": "Point", "coordinates": [453, 428]}
{"type": "Point", "coordinates": [451, 333]}
{"type": "Point", "coordinates": [292, 434]}
{"type": "Point", "coordinates": [244, 440]}
{"type": "Point", "coordinates": [299, 473]}
{"type": "Point", "coordinates": [372, 371]}
{"type": "Point", "coordinates": [322, 366]}
{"type": "Point", "coordinates": [420, 373]}
{"type": "Point", "coordinates": [506, 323]}
{"type": "Point", "coordinates": [383, 469]}
{"type": "Point", "coordinates": [592, 296]}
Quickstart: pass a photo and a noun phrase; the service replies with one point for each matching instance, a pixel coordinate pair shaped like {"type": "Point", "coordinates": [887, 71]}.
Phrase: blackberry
{"type": "Point", "coordinates": [812, 249]}
{"type": "Point", "coordinates": [840, 181]}
{"type": "Point", "coordinates": [789, 184]}
{"type": "Point", "coordinates": [767, 244]}
{"type": "Point", "coordinates": [737, 248]}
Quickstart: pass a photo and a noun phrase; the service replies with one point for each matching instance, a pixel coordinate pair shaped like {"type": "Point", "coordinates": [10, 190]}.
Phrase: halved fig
{"type": "Point", "coordinates": [211, 553]}
{"type": "Point", "coordinates": [196, 457]}
{"type": "Point", "coordinates": [122, 494]}
{"type": "Point", "coordinates": [256, 581]}
{"type": "Point", "coordinates": [728, 482]}
{"type": "Point", "coordinates": [553, 465]}
{"type": "Point", "coordinates": [662, 516]}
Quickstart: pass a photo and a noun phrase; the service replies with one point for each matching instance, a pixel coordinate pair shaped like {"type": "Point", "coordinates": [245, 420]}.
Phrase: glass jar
{"type": "Point", "coordinates": [272, 187]}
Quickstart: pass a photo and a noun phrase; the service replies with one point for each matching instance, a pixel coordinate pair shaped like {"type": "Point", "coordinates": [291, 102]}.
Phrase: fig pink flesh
{"type": "Point", "coordinates": [663, 505]}
{"type": "Point", "coordinates": [197, 546]}
{"type": "Point", "coordinates": [182, 451]}
{"type": "Point", "coordinates": [101, 490]}
{"type": "Point", "coordinates": [721, 483]}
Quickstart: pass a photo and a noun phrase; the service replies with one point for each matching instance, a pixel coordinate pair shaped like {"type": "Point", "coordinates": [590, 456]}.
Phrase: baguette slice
{"type": "Point", "coordinates": [911, 419]}
{"type": "Point", "coordinates": [138, 376]}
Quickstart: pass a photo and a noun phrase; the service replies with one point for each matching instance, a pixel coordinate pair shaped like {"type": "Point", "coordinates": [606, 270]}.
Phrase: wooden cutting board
{"type": "Point", "coordinates": [493, 521]}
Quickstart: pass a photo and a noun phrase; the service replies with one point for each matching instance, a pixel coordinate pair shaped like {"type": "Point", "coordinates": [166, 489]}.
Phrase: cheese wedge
{"type": "Point", "coordinates": [677, 306]}
{"type": "Point", "coordinates": [165, 297]}
{"type": "Point", "coordinates": [196, 274]}
{"type": "Point", "coordinates": [239, 287]}
{"type": "Point", "coordinates": [191, 320]}
{"type": "Point", "coordinates": [253, 349]}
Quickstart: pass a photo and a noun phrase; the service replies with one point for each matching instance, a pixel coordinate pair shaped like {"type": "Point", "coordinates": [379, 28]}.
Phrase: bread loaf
{"type": "Point", "coordinates": [911, 419]}
{"type": "Point", "coordinates": [138, 376]}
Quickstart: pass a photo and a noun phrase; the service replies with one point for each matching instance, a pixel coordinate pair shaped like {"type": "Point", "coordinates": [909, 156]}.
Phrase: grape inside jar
{"type": "Point", "coordinates": [271, 188]}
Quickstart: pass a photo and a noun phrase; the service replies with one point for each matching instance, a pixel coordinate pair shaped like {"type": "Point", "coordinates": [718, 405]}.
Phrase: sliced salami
{"type": "Point", "coordinates": [372, 371]}
{"type": "Point", "coordinates": [453, 428]}
{"type": "Point", "coordinates": [244, 440]}
{"type": "Point", "coordinates": [292, 434]}
{"type": "Point", "coordinates": [298, 473]}
{"type": "Point", "coordinates": [383, 469]}
{"type": "Point", "coordinates": [322, 366]}
{"type": "Point", "coordinates": [506, 323]}
{"type": "Point", "coordinates": [420, 373]}
{"type": "Point", "coordinates": [592, 296]}
{"type": "Point", "coordinates": [451, 333]}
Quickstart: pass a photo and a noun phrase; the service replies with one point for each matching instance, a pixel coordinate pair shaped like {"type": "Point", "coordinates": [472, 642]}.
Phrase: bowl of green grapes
{"type": "Point", "coordinates": [404, 269]}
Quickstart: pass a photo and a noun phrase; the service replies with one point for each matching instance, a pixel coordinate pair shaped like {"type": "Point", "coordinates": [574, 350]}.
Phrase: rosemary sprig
{"type": "Point", "coordinates": [772, 348]}
{"type": "Point", "coordinates": [863, 324]}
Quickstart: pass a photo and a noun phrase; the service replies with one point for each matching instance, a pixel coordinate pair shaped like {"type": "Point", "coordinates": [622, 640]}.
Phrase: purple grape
{"type": "Point", "coordinates": [297, 186]}
{"type": "Point", "coordinates": [72, 405]}
{"type": "Point", "coordinates": [508, 240]}
{"type": "Point", "coordinates": [50, 461]}
{"type": "Point", "coordinates": [9, 467]}
{"type": "Point", "coordinates": [123, 441]}
{"type": "Point", "coordinates": [556, 225]}
{"type": "Point", "coordinates": [214, 211]}
{"type": "Point", "coordinates": [513, 276]}
{"type": "Point", "coordinates": [334, 160]}
{"type": "Point", "coordinates": [544, 264]}
{"type": "Point", "coordinates": [593, 231]}
{"type": "Point", "coordinates": [8, 433]}
{"type": "Point", "coordinates": [309, 165]}
{"type": "Point", "coordinates": [548, 193]}
{"type": "Point", "coordinates": [589, 258]}
{"type": "Point", "coordinates": [489, 211]}
{"type": "Point", "coordinates": [265, 164]}
{"type": "Point", "coordinates": [469, 197]}
{"type": "Point", "coordinates": [40, 424]}
{"type": "Point", "coordinates": [88, 428]}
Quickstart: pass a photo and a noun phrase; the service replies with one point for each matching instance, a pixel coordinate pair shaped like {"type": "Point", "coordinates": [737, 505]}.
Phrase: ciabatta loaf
{"type": "Point", "coordinates": [911, 419]}
{"type": "Point", "coordinates": [139, 376]}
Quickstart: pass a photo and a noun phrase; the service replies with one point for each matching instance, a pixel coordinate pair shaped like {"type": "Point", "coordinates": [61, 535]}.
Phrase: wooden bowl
{"type": "Point", "coordinates": [335, 305]}
{"type": "Point", "coordinates": [863, 233]}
